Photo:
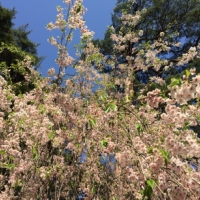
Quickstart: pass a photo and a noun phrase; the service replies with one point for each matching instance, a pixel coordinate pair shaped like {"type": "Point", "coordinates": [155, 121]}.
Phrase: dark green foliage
{"type": "Point", "coordinates": [14, 46]}
{"type": "Point", "coordinates": [12, 69]}
{"type": "Point", "coordinates": [106, 45]}
{"type": "Point", "coordinates": [6, 17]}
{"type": "Point", "coordinates": [148, 191]}
{"type": "Point", "coordinates": [17, 37]}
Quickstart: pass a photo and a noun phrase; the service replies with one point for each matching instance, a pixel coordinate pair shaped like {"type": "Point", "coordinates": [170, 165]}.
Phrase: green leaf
{"type": "Point", "coordinates": [42, 108]}
{"type": "Point", "coordinates": [93, 190]}
{"type": "Point", "coordinates": [139, 127]}
{"type": "Point", "coordinates": [110, 106]}
{"type": "Point", "coordinates": [35, 153]}
{"type": "Point", "coordinates": [104, 143]}
{"type": "Point", "coordinates": [79, 8]}
{"type": "Point", "coordinates": [113, 107]}
{"type": "Point", "coordinates": [148, 191]}
{"type": "Point", "coordinates": [92, 122]}
{"type": "Point", "coordinates": [165, 156]}
{"type": "Point", "coordinates": [151, 183]}
{"type": "Point", "coordinates": [2, 152]}
{"type": "Point", "coordinates": [51, 135]}
{"type": "Point", "coordinates": [186, 126]}
{"type": "Point", "coordinates": [107, 109]}
{"type": "Point", "coordinates": [18, 185]}
{"type": "Point", "coordinates": [175, 81]}
{"type": "Point", "coordinates": [150, 150]}
{"type": "Point", "coordinates": [7, 166]}
{"type": "Point", "coordinates": [187, 72]}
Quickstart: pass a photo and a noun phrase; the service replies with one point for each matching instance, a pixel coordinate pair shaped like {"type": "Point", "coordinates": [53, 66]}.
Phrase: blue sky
{"type": "Point", "coordinates": [38, 13]}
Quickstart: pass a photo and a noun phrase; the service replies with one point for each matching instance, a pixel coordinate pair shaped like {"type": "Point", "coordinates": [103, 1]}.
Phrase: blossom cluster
{"type": "Point", "coordinates": [187, 91]}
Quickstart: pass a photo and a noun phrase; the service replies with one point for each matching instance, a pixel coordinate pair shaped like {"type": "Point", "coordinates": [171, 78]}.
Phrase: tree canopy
{"type": "Point", "coordinates": [14, 47]}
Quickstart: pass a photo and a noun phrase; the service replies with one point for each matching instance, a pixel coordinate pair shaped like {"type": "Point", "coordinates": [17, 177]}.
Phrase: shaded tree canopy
{"type": "Point", "coordinates": [18, 37]}
{"type": "Point", "coordinates": [14, 47]}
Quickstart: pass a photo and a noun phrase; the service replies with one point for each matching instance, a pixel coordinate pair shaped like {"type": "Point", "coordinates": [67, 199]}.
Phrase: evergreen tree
{"type": "Point", "coordinates": [6, 17]}
{"type": "Point", "coordinates": [14, 47]}
{"type": "Point", "coordinates": [22, 41]}
{"type": "Point", "coordinates": [106, 44]}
